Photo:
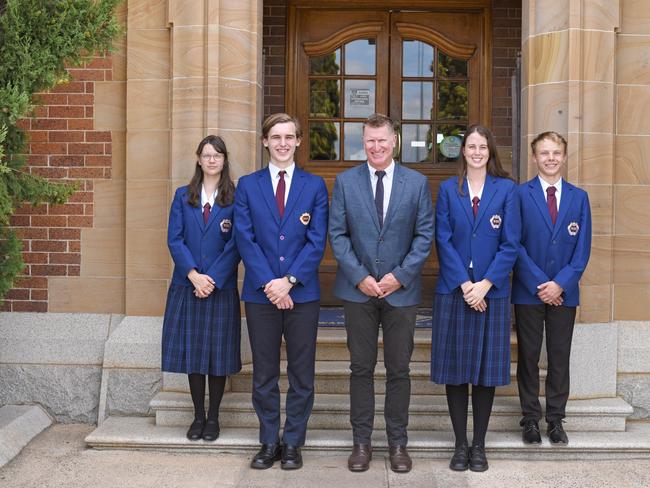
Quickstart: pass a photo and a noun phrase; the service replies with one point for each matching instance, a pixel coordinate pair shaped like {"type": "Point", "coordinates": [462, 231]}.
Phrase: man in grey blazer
{"type": "Point", "coordinates": [381, 230]}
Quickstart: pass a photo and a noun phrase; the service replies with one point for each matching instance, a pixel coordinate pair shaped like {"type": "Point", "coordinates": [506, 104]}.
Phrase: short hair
{"type": "Point", "coordinates": [279, 118]}
{"type": "Point", "coordinates": [552, 136]}
{"type": "Point", "coordinates": [380, 120]}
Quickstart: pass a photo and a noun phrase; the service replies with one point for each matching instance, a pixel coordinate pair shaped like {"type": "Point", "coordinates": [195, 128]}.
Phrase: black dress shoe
{"type": "Point", "coordinates": [291, 457]}
{"type": "Point", "coordinates": [195, 430]}
{"type": "Point", "coordinates": [460, 459]}
{"type": "Point", "coordinates": [211, 430]}
{"type": "Point", "coordinates": [477, 459]}
{"type": "Point", "coordinates": [556, 433]}
{"type": "Point", "coordinates": [530, 432]}
{"type": "Point", "coordinates": [266, 456]}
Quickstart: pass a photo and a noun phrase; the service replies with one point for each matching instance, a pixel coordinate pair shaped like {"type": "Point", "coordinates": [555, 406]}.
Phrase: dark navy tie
{"type": "Point", "coordinates": [379, 197]}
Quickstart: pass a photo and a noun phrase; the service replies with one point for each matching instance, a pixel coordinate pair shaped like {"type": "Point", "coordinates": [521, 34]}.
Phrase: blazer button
{"type": "Point", "coordinates": [554, 242]}
{"type": "Point", "coordinates": [282, 238]}
{"type": "Point", "coordinates": [552, 261]}
{"type": "Point", "coordinates": [473, 235]}
{"type": "Point", "coordinates": [376, 261]}
{"type": "Point", "coordinates": [281, 258]}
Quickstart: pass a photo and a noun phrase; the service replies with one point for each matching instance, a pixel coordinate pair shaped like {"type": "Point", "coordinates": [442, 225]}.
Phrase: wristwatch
{"type": "Point", "coordinates": [292, 279]}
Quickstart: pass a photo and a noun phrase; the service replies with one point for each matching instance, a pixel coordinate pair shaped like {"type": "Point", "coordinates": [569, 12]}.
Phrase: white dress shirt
{"type": "Point", "coordinates": [387, 180]}
{"type": "Point", "coordinates": [478, 194]}
{"type": "Point", "coordinates": [275, 178]}
{"type": "Point", "coordinates": [558, 190]}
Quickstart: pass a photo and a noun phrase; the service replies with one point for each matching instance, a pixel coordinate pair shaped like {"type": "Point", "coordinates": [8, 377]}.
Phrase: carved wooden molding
{"type": "Point", "coordinates": [329, 44]}
{"type": "Point", "coordinates": [428, 35]}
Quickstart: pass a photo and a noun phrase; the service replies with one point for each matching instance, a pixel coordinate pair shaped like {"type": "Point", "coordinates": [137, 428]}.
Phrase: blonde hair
{"type": "Point", "coordinates": [551, 136]}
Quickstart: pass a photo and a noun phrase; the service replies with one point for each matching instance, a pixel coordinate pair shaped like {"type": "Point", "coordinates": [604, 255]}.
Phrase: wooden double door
{"type": "Point", "coordinates": [428, 69]}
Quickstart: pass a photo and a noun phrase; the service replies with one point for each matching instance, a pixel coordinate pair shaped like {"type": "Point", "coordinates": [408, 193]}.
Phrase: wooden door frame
{"type": "Point", "coordinates": [478, 6]}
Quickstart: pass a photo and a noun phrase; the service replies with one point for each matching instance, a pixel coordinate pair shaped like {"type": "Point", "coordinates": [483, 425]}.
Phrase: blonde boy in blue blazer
{"type": "Point", "coordinates": [554, 251]}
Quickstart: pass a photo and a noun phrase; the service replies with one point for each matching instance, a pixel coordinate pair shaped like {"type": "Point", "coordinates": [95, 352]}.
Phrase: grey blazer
{"type": "Point", "coordinates": [401, 246]}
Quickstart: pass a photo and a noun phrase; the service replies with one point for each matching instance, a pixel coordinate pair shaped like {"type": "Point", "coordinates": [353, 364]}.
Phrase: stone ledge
{"type": "Point", "coordinates": [19, 424]}
{"type": "Point", "coordinates": [53, 338]}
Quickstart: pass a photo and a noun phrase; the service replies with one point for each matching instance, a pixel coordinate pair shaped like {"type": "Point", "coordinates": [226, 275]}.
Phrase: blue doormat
{"type": "Point", "coordinates": [333, 317]}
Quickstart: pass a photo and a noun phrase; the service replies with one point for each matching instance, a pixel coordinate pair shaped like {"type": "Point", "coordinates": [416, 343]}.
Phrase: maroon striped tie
{"type": "Point", "coordinates": [206, 213]}
{"type": "Point", "coordinates": [551, 201]}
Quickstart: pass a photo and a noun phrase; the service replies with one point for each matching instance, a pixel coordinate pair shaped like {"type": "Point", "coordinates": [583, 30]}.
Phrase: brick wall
{"type": "Point", "coordinates": [63, 146]}
{"type": "Point", "coordinates": [506, 25]}
{"type": "Point", "coordinates": [274, 46]}
{"type": "Point", "coordinates": [506, 43]}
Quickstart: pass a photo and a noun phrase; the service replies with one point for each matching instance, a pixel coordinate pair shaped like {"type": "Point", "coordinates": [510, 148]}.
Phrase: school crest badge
{"type": "Point", "coordinates": [305, 218]}
{"type": "Point", "coordinates": [225, 225]}
{"type": "Point", "coordinates": [573, 228]}
{"type": "Point", "coordinates": [495, 221]}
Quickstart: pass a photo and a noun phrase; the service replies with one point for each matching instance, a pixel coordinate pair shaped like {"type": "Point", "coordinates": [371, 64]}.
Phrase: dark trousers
{"type": "Point", "coordinates": [362, 322]}
{"type": "Point", "coordinates": [531, 320]}
{"type": "Point", "coordinates": [266, 326]}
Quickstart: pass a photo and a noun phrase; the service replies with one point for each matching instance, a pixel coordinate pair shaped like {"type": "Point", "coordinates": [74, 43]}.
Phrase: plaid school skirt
{"type": "Point", "coordinates": [201, 335]}
{"type": "Point", "coordinates": [469, 346]}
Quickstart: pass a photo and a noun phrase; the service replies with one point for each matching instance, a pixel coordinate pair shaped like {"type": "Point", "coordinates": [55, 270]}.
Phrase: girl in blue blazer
{"type": "Point", "coordinates": [201, 328]}
{"type": "Point", "coordinates": [477, 231]}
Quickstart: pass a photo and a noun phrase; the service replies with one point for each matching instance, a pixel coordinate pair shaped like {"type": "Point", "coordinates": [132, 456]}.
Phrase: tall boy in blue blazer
{"type": "Point", "coordinates": [281, 230]}
{"type": "Point", "coordinates": [555, 247]}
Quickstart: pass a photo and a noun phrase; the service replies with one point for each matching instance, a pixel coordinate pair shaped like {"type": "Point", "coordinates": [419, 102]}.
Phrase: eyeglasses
{"type": "Point", "coordinates": [212, 157]}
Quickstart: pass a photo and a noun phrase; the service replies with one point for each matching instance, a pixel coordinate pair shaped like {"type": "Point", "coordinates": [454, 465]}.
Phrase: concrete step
{"type": "Point", "coordinates": [426, 412]}
{"type": "Point", "coordinates": [142, 433]}
{"type": "Point", "coordinates": [332, 345]}
{"type": "Point", "coordinates": [19, 424]}
{"type": "Point", "coordinates": [334, 377]}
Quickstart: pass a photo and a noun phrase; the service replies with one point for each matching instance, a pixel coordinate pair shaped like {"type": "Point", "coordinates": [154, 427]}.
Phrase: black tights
{"type": "Point", "coordinates": [217, 385]}
{"type": "Point", "coordinates": [458, 400]}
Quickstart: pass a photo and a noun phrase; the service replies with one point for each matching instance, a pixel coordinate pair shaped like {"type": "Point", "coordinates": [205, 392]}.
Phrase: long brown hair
{"type": "Point", "coordinates": [494, 167]}
{"type": "Point", "coordinates": [226, 187]}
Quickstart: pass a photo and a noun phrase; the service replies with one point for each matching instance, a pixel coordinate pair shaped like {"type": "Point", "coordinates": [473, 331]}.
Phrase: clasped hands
{"type": "Point", "coordinates": [203, 284]}
{"type": "Point", "coordinates": [474, 294]}
{"type": "Point", "coordinates": [277, 291]}
{"type": "Point", "coordinates": [550, 293]}
{"type": "Point", "coordinates": [380, 289]}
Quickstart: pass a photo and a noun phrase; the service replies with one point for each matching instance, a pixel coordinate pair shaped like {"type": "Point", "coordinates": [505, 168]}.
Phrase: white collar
{"type": "Point", "coordinates": [208, 199]}
{"type": "Point", "coordinates": [275, 170]}
{"type": "Point", "coordinates": [545, 184]}
{"type": "Point", "coordinates": [389, 170]}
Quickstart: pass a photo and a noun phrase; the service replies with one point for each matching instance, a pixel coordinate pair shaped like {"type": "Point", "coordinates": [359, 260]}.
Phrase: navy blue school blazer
{"type": "Point", "coordinates": [548, 252]}
{"type": "Point", "coordinates": [272, 247]}
{"type": "Point", "coordinates": [209, 248]}
{"type": "Point", "coordinates": [490, 241]}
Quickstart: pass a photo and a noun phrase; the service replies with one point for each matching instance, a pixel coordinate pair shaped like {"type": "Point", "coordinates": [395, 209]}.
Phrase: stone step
{"type": "Point", "coordinates": [19, 424]}
{"type": "Point", "coordinates": [426, 412]}
{"type": "Point", "coordinates": [142, 433]}
{"type": "Point", "coordinates": [333, 377]}
{"type": "Point", "coordinates": [332, 345]}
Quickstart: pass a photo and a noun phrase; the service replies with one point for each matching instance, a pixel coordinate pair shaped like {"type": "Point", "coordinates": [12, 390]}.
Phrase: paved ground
{"type": "Point", "coordinates": [58, 458]}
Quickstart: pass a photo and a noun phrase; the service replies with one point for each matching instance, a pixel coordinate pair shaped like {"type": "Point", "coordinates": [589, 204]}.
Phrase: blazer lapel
{"type": "Point", "coordinates": [537, 194]}
{"type": "Point", "coordinates": [396, 193]}
{"type": "Point", "coordinates": [490, 189]}
{"type": "Point", "coordinates": [464, 201]}
{"type": "Point", "coordinates": [297, 185]}
{"type": "Point", "coordinates": [565, 204]}
{"type": "Point", "coordinates": [365, 188]}
{"type": "Point", "coordinates": [216, 210]}
{"type": "Point", "coordinates": [198, 214]}
{"type": "Point", "coordinates": [266, 189]}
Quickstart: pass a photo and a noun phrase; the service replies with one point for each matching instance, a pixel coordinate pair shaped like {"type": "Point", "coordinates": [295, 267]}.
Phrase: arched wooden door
{"type": "Point", "coordinates": [427, 69]}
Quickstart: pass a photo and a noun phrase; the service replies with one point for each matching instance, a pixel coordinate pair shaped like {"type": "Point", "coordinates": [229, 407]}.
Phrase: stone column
{"type": "Point", "coordinates": [194, 68]}
{"type": "Point", "coordinates": [568, 85]}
